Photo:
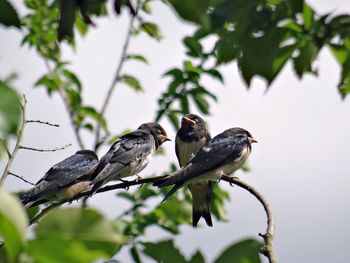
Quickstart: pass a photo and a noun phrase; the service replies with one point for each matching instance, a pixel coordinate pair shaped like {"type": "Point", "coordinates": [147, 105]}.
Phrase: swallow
{"type": "Point", "coordinates": [64, 180]}
{"type": "Point", "coordinates": [129, 155]}
{"type": "Point", "coordinates": [191, 136]}
{"type": "Point", "coordinates": [222, 155]}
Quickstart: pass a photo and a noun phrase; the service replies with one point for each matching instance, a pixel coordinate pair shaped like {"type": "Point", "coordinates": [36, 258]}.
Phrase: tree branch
{"type": "Point", "coordinates": [64, 98]}
{"type": "Point", "coordinates": [17, 146]}
{"type": "Point", "coordinates": [268, 249]}
{"type": "Point", "coordinates": [43, 122]}
{"type": "Point", "coordinates": [116, 77]}
{"type": "Point", "coordinates": [125, 184]}
{"type": "Point", "coordinates": [45, 150]}
{"type": "Point", "coordinates": [22, 178]}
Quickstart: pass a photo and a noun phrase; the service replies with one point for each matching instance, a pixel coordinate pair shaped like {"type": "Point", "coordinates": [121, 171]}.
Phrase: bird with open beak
{"type": "Point", "coordinates": [64, 180]}
{"type": "Point", "coordinates": [222, 155]}
{"type": "Point", "coordinates": [129, 155]}
{"type": "Point", "coordinates": [191, 136]}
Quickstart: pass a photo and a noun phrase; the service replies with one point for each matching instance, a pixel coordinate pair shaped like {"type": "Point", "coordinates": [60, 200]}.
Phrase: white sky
{"type": "Point", "coordinates": [300, 163]}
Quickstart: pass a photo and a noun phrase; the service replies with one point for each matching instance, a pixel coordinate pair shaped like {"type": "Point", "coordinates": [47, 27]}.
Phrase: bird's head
{"type": "Point", "coordinates": [192, 122]}
{"type": "Point", "coordinates": [156, 130]}
{"type": "Point", "coordinates": [239, 132]}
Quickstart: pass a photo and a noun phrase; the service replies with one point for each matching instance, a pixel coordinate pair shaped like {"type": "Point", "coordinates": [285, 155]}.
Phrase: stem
{"type": "Point", "coordinates": [268, 249]}
{"type": "Point", "coordinates": [21, 178]}
{"type": "Point", "coordinates": [104, 189]}
{"type": "Point", "coordinates": [116, 77]}
{"type": "Point", "coordinates": [17, 146]}
{"type": "Point", "coordinates": [45, 150]}
{"type": "Point", "coordinates": [63, 95]}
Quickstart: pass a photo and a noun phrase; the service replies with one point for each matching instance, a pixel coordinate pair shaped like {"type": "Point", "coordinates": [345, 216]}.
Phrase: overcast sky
{"type": "Point", "coordinates": [300, 163]}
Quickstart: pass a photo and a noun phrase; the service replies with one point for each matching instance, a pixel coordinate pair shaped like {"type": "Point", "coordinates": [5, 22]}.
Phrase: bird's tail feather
{"type": "Point", "coordinates": [172, 191]}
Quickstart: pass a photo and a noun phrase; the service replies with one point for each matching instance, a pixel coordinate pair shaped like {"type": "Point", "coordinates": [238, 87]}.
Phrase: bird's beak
{"type": "Point", "coordinates": [252, 140]}
{"type": "Point", "coordinates": [163, 138]}
{"type": "Point", "coordinates": [187, 122]}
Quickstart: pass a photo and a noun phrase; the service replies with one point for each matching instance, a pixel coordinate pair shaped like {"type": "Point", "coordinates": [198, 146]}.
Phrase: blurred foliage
{"type": "Point", "coordinates": [260, 36]}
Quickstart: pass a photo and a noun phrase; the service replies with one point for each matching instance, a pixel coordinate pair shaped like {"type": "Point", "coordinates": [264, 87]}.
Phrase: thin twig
{"type": "Point", "coordinates": [43, 122]}
{"type": "Point", "coordinates": [64, 98]}
{"type": "Point", "coordinates": [104, 189]}
{"type": "Point", "coordinates": [22, 178]}
{"type": "Point", "coordinates": [116, 76]}
{"type": "Point", "coordinates": [268, 249]}
{"type": "Point", "coordinates": [45, 150]}
{"type": "Point", "coordinates": [17, 146]}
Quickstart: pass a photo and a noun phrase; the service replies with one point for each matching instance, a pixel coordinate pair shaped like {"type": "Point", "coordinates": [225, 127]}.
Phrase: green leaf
{"type": "Point", "coordinates": [137, 57]}
{"type": "Point", "coordinates": [308, 53]}
{"type": "Point", "coordinates": [8, 14]}
{"type": "Point", "coordinates": [72, 78]}
{"type": "Point", "coordinates": [173, 119]}
{"type": "Point", "coordinates": [201, 103]}
{"type": "Point", "coordinates": [13, 224]}
{"type": "Point", "coordinates": [246, 251]}
{"type": "Point", "coordinates": [190, 68]}
{"type": "Point", "coordinates": [195, 48]}
{"type": "Point", "coordinates": [152, 30]}
{"type": "Point", "coordinates": [215, 74]}
{"type": "Point", "coordinates": [176, 73]}
{"type": "Point", "coordinates": [308, 16]}
{"type": "Point", "coordinates": [81, 25]}
{"type": "Point", "coordinates": [135, 254]}
{"type": "Point", "coordinates": [85, 226]}
{"type": "Point", "coordinates": [57, 250]}
{"type": "Point", "coordinates": [132, 82]}
{"type": "Point", "coordinates": [194, 11]}
{"type": "Point", "coordinates": [10, 110]}
{"type": "Point", "coordinates": [197, 258]}
{"type": "Point", "coordinates": [226, 49]}
{"type": "Point", "coordinates": [163, 252]}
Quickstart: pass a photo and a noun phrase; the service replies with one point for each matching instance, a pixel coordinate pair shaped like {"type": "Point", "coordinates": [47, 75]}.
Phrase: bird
{"type": "Point", "coordinates": [64, 180]}
{"type": "Point", "coordinates": [129, 155]}
{"type": "Point", "coordinates": [191, 136]}
{"type": "Point", "coordinates": [222, 155]}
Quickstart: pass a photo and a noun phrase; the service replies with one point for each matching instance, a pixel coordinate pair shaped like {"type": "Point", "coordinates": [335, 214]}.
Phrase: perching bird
{"type": "Point", "coordinates": [222, 155]}
{"type": "Point", "coordinates": [191, 136]}
{"type": "Point", "coordinates": [64, 180]}
{"type": "Point", "coordinates": [129, 155]}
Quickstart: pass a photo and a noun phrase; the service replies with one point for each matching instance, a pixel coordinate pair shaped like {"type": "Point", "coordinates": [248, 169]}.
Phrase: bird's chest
{"type": "Point", "coordinates": [236, 163]}
{"type": "Point", "coordinates": [142, 161]}
{"type": "Point", "coordinates": [186, 150]}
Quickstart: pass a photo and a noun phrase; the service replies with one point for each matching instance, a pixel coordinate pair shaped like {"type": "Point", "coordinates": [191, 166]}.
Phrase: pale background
{"type": "Point", "coordinates": [300, 163]}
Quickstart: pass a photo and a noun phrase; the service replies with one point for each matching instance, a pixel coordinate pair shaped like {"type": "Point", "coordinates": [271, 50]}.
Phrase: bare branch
{"type": "Point", "coordinates": [17, 146]}
{"type": "Point", "coordinates": [116, 76]}
{"type": "Point", "coordinates": [268, 249]}
{"type": "Point", "coordinates": [43, 122]}
{"type": "Point", "coordinates": [104, 189]}
{"type": "Point", "coordinates": [45, 150]}
{"type": "Point", "coordinates": [22, 178]}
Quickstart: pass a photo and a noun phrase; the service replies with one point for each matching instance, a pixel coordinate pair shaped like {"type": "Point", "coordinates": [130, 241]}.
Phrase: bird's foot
{"type": "Point", "coordinates": [138, 178]}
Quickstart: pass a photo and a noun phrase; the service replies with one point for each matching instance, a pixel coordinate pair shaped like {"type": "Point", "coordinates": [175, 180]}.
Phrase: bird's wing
{"type": "Point", "coordinates": [214, 154]}
{"type": "Point", "coordinates": [63, 174]}
{"type": "Point", "coordinates": [130, 148]}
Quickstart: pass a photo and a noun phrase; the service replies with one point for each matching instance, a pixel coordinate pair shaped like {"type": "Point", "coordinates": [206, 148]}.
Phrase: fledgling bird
{"type": "Point", "coordinates": [129, 155]}
{"type": "Point", "coordinates": [222, 155]}
{"type": "Point", "coordinates": [64, 180]}
{"type": "Point", "coordinates": [191, 136]}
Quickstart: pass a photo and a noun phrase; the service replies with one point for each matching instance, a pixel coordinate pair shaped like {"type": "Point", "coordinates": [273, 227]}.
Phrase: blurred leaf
{"type": "Point", "coordinates": [302, 63]}
{"type": "Point", "coordinates": [135, 254]}
{"type": "Point", "coordinates": [218, 203]}
{"type": "Point", "coordinates": [215, 74]}
{"type": "Point", "coordinates": [226, 48]}
{"type": "Point", "coordinates": [127, 196]}
{"type": "Point", "coordinates": [33, 211]}
{"type": "Point", "coordinates": [137, 57]}
{"type": "Point", "coordinates": [56, 250]}
{"type": "Point", "coordinates": [195, 48]}
{"type": "Point", "coordinates": [193, 10]}
{"type": "Point", "coordinates": [8, 14]}
{"type": "Point", "coordinates": [81, 25]}
{"type": "Point", "coordinates": [201, 103]}
{"type": "Point", "coordinates": [152, 30]}
{"type": "Point", "coordinates": [246, 251]}
{"type": "Point", "coordinates": [73, 78]}
{"type": "Point", "coordinates": [85, 226]}
{"type": "Point", "coordinates": [197, 258]}
{"type": "Point", "coordinates": [132, 82]}
{"type": "Point", "coordinates": [163, 251]}
{"type": "Point", "coordinates": [10, 110]}
{"type": "Point", "coordinates": [13, 224]}
{"type": "Point", "coordinates": [308, 16]}
{"type": "Point", "coordinates": [173, 119]}
{"type": "Point", "coordinates": [175, 72]}
{"type": "Point", "coordinates": [190, 68]}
